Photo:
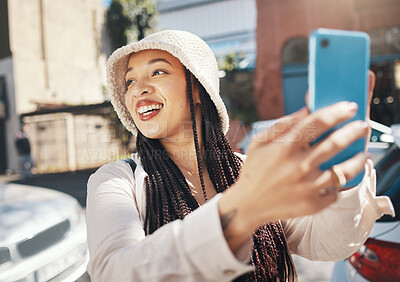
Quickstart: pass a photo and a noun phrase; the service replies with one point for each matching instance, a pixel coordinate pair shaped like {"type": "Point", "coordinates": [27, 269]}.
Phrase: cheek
{"type": "Point", "coordinates": [130, 105]}
{"type": "Point", "coordinates": [181, 99]}
{"type": "Point", "coordinates": [128, 101]}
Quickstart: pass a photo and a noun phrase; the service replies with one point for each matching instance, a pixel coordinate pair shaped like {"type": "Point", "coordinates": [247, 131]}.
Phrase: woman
{"type": "Point", "coordinates": [146, 225]}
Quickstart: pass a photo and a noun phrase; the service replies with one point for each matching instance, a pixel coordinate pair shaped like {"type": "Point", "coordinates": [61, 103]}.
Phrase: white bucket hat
{"type": "Point", "coordinates": [191, 51]}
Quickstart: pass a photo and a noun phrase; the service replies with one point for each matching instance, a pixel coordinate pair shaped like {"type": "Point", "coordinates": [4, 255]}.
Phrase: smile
{"type": "Point", "coordinates": [148, 109]}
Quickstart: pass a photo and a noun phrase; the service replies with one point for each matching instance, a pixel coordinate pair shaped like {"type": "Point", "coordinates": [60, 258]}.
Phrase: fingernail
{"type": "Point", "coordinates": [353, 106]}
{"type": "Point", "coordinates": [364, 124]}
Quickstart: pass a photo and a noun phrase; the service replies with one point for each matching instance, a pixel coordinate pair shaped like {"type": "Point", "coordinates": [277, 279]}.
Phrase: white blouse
{"type": "Point", "coordinates": [194, 249]}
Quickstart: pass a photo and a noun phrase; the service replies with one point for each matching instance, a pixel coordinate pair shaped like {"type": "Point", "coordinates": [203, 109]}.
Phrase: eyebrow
{"type": "Point", "coordinates": [153, 61]}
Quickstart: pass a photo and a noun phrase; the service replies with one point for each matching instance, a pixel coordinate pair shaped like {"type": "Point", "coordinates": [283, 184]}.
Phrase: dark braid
{"type": "Point", "coordinates": [195, 136]}
{"type": "Point", "coordinates": [169, 197]}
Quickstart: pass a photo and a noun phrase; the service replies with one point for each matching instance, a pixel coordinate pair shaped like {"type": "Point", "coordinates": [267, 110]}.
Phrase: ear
{"type": "Point", "coordinates": [195, 90]}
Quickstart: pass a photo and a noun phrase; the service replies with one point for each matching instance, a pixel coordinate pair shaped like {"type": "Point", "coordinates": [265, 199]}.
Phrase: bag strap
{"type": "Point", "coordinates": [131, 163]}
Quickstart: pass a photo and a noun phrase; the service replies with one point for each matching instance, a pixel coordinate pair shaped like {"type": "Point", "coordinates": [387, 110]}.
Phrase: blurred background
{"type": "Point", "coordinates": [52, 76]}
{"type": "Point", "coordinates": [53, 55]}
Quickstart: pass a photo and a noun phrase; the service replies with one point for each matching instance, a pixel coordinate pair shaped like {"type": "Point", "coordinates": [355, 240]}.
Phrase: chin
{"type": "Point", "coordinates": [152, 131]}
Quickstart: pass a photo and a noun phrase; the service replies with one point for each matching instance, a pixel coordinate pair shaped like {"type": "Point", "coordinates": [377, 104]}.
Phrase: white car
{"type": "Point", "coordinates": [42, 235]}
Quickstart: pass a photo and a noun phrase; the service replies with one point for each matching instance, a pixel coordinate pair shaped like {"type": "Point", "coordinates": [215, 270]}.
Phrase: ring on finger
{"type": "Point", "coordinates": [338, 177]}
{"type": "Point", "coordinates": [338, 181]}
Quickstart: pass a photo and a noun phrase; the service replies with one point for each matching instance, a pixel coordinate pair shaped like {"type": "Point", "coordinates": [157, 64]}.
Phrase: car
{"type": "Point", "coordinates": [380, 141]}
{"type": "Point", "coordinates": [42, 235]}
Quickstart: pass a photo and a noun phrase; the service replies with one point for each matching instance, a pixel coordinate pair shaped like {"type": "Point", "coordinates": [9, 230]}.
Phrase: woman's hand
{"type": "Point", "coordinates": [281, 178]}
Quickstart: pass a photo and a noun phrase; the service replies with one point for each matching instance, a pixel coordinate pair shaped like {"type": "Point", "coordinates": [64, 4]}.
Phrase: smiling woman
{"type": "Point", "coordinates": [192, 209]}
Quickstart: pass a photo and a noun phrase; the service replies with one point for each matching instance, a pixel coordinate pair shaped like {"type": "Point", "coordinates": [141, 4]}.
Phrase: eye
{"type": "Point", "coordinates": [158, 72]}
{"type": "Point", "coordinates": [130, 82]}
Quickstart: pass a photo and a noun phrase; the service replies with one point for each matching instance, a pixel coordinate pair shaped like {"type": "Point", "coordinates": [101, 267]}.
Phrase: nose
{"type": "Point", "coordinates": [142, 89]}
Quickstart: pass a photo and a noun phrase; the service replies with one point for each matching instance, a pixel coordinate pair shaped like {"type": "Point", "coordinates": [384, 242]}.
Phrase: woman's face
{"type": "Point", "coordinates": [156, 94]}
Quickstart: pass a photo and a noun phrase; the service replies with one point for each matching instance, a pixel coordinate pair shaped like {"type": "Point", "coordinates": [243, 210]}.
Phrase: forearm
{"type": "Point", "coordinates": [238, 219]}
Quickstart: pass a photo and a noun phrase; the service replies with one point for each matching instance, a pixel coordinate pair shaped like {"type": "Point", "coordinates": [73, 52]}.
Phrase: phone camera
{"type": "Point", "coordinates": [324, 43]}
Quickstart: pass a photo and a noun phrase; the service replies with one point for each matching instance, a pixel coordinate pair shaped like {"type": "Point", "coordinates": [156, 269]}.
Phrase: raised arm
{"type": "Point", "coordinates": [281, 178]}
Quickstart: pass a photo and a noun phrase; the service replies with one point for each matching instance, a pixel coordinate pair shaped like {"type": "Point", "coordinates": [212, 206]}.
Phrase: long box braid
{"type": "Point", "coordinates": [168, 196]}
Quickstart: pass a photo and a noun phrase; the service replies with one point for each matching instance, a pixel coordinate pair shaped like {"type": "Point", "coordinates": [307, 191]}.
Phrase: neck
{"type": "Point", "coordinates": [181, 148]}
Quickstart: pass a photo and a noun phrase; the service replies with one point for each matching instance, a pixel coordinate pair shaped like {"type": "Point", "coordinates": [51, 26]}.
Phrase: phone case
{"type": "Point", "coordinates": [338, 71]}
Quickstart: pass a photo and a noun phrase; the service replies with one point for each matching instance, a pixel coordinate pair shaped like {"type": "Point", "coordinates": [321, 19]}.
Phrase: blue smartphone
{"type": "Point", "coordinates": [338, 71]}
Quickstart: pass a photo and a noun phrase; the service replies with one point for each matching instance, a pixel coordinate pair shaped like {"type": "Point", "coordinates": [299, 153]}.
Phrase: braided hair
{"type": "Point", "coordinates": [169, 197]}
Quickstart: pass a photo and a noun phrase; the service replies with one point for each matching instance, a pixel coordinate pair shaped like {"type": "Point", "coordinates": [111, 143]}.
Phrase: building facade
{"type": "Point", "coordinates": [52, 55]}
{"type": "Point", "coordinates": [74, 137]}
{"type": "Point", "coordinates": [228, 26]}
{"type": "Point", "coordinates": [282, 33]}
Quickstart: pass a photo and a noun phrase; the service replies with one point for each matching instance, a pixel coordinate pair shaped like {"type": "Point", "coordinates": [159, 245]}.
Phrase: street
{"type": "Point", "coordinates": [72, 183]}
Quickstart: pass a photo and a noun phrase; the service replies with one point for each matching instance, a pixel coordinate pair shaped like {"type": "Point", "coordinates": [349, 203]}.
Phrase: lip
{"type": "Point", "coordinates": [147, 103]}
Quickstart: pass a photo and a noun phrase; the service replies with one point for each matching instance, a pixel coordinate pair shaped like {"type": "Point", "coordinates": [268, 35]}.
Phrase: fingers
{"type": "Point", "coordinates": [309, 193]}
{"type": "Point", "coordinates": [337, 142]}
{"type": "Point", "coordinates": [352, 167]}
{"type": "Point", "coordinates": [281, 127]}
{"type": "Point", "coordinates": [323, 180]}
{"type": "Point", "coordinates": [343, 173]}
{"type": "Point", "coordinates": [320, 122]}
{"type": "Point", "coordinates": [319, 192]}
{"type": "Point", "coordinates": [306, 98]}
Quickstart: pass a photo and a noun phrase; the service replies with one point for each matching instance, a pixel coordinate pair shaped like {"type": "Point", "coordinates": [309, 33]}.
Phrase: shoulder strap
{"type": "Point", "coordinates": [131, 163]}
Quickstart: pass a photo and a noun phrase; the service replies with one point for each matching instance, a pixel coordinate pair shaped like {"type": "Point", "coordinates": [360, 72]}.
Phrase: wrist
{"type": "Point", "coordinates": [236, 227]}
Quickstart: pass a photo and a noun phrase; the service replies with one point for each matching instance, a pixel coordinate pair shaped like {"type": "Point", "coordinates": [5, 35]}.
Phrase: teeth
{"type": "Point", "coordinates": [144, 110]}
